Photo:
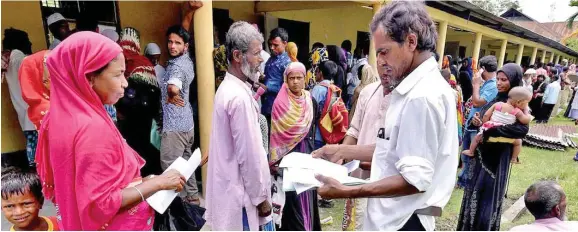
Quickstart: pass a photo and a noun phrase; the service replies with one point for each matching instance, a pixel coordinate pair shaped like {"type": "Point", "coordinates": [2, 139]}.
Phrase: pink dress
{"type": "Point", "coordinates": [83, 161]}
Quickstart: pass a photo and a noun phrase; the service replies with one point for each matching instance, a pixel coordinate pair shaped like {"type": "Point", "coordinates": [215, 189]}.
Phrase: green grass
{"type": "Point", "coordinates": [537, 164]}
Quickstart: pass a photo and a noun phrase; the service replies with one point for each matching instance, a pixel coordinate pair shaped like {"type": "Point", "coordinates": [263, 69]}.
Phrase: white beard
{"type": "Point", "coordinates": [246, 69]}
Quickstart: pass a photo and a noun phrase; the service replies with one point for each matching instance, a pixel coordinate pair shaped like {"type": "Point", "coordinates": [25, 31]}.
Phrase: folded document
{"type": "Point", "coordinates": [299, 172]}
{"type": "Point", "coordinates": [161, 200]}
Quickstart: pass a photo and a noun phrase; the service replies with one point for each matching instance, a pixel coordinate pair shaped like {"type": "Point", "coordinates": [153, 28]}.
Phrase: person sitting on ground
{"type": "Point", "coordinates": [504, 114]}
{"type": "Point", "coordinates": [546, 200]}
{"type": "Point", "coordinates": [22, 200]}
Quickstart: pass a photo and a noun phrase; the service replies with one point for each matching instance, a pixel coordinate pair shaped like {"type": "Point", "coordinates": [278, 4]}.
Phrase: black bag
{"type": "Point", "coordinates": [186, 217]}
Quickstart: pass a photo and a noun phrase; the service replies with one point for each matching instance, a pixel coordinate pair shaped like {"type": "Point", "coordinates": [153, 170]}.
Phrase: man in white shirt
{"type": "Point", "coordinates": [153, 53]}
{"type": "Point", "coordinates": [550, 99]}
{"type": "Point", "coordinates": [528, 79]}
{"type": "Point", "coordinates": [19, 46]}
{"type": "Point", "coordinates": [58, 27]}
{"type": "Point", "coordinates": [414, 159]}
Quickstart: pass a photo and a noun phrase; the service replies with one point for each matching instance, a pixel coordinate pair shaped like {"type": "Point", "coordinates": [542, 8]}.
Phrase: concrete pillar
{"type": "Point", "coordinates": [502, 55]}
{"type": "Point", "coordinates": [372, 59]}
{"type": "Point", "coordinates": [551, 57]}
{"type": "Point", "coordinates": [477, 46]}
{"type": "Point", "coordinates": [534, 53]}
{"type": "Point", "coordinates": [543, 59]}
{"type": "Point", "coordinates": [441, 43]}
{"type": "Point", "coordinates": [557, 59]}
{"type": "Point", "coordinates": [520, 54]}
{"type": "Point", "coordinates": [205, 75]}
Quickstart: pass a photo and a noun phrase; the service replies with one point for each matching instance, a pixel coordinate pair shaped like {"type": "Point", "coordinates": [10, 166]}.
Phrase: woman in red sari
{"type": "Point", "coordinates": [86, 167]}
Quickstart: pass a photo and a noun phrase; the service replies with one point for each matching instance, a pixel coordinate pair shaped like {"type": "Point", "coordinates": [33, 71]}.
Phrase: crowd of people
{"type": "Point", "coordinates": [104, 122]}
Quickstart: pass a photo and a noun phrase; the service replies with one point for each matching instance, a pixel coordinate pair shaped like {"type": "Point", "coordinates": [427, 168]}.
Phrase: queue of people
{"type": "Point", "coordinates": [405, 123]}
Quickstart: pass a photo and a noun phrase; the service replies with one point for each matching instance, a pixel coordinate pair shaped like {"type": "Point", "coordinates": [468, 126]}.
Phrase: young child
{"type": "Point", "coordinates": [22, 199]}
{"type": "Point", "coordinates": [504, 114]}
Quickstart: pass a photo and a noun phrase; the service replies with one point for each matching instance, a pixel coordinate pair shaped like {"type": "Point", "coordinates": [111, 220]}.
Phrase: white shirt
{"type": "Point", "coordinates": [55, 43]}
{"type": "Point", "coordinates": [528, 85]}
{"type": "Point", "coordinates": [552, 92]}
{"type": "Point", "coordinates": [421, 144]}
{"type": "Point", "coordinates": [265, 56]}
{"type": "Point", "coordinates": [159, 72]}
{"type": "Point", "coordinates": [20, 105]}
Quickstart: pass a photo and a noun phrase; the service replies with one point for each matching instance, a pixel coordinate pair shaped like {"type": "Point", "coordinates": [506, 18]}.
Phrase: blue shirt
{"type": "Point", "coordinates": [319, 94]}
{"type": "Point", "coordinates": [176, 118]}
{"type": "Point", "coordinates": [274, 69]}
{"type": "Point", "coordinates": [111, 111]}
{"type": "Point", "coordinates": [552, 93]}
{"type": "Point", "coordinates": [488, 92]}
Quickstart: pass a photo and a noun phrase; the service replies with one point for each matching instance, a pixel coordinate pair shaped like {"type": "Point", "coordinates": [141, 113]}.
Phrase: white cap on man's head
{"type": "Point", "coordinates": [530, 71]}
{"type": "Point", "coordinates": [111, 34]}
{"type": "Point", "coordinates": [152, 49]}
{"type": "Point", "coordinates": [54, 18]}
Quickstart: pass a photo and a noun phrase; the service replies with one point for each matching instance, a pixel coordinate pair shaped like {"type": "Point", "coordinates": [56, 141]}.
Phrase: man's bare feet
{"type": "Point", "coordinates": [468, 153]}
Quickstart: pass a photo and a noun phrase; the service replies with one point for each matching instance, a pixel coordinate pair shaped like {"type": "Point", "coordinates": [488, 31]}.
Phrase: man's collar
{"type": "Point", "coordinates": [548, 220]}
{"type": "Point", "coordinates": [415, 76]}
{"type": "Point", "coordinates": [231, 77]}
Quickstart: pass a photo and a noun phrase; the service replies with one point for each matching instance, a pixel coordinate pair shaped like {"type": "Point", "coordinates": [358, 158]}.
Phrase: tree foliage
{"type": "Point", "coordinates": [572, 43]}
{"type": "Point", "coordinates": [497, 7]}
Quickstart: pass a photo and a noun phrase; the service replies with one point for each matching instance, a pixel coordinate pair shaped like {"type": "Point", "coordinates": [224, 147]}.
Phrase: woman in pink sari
{"type": "Point", "coordinates": [293, 130]}
{"type": "Point", "coordinates": [86, 167]}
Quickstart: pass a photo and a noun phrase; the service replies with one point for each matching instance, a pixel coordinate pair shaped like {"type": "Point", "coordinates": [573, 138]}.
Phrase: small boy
{"type": "Point", "coordinates": [22, 199]}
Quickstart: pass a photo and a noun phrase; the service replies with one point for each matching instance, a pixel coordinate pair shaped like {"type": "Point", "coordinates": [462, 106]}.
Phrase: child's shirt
{"type": "Point", "coordinates": [51, 221]}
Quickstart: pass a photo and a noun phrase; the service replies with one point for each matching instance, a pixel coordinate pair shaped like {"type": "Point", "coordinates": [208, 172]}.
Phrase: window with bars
{"type": "Point", "coordinates": [51, 3]}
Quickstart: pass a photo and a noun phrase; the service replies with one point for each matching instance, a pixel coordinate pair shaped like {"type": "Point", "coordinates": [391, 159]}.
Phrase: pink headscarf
{"type": "Point", "coordinates": [82, 159]}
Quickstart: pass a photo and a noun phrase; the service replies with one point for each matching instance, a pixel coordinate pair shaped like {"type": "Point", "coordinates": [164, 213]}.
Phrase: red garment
{"type": "Point", "coordinates": [83, 161]}
{"type": "Point", "coordinates": [32, 83]}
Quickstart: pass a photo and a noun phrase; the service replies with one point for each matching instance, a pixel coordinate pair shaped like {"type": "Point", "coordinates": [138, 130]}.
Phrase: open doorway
{"type": "Point", "coordinates": [298, 34]}
{"type": "Point", "coordinates": [362, 42]}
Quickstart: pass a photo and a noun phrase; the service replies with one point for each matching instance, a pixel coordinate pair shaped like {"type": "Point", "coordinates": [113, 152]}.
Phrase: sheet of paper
{"type": "Point", "coordinates": [161, 200]}
{"type": "Point", "coordinates": [306, 161]}
{"type": "Point", "coordinates": [351, 166]}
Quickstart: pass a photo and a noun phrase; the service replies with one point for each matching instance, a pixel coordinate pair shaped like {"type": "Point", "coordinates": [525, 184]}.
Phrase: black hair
{"type": "Point", "coordinates": [550, 64]}
{"type": "Point", "coordinates": [531, 66]}
{"type": "Point", "coordinates": [346, 44]}
{"type": "Point", "coordinates": [86, 22]}
{"type": "Point", "coordinates": [180, 31]}
{"type": "Point", "coordinates": [317, 45]}
{"type": "Point", "coordinates": [17, 181]}
{"type": "Point", "coordinates": [541, 197]}
{"type": "Point", "coordinates": [336, 55]}
{"type": "Point", "coordinates": [489, 63]}
{"type": "Point", "coordinates": [328, 69]}
{"type": "Point", "coordinates": [565, 69]}
{"type": "Point", "coordinates": [279, 32]}
{"type": "Point", "coordinates": [400, 18]}
{"type": "Point", "coordinates": [446, 74]}
{"type": "Point", "coordinates": [555, 77]}
{"type": "Point", "coordinates": [16, 39]}
{"type": "Point", "coordinates": [542, 76]}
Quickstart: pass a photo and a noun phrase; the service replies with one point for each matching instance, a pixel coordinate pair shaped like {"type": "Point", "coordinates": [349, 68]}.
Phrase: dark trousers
{"type": "Point", "coordinates": [413, 224]}
{"type": "Point", "coordinates": [546, 112]}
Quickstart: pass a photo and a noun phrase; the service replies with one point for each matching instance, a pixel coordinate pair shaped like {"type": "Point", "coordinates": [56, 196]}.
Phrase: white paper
{"type": "Point", "coordinates": [351, 166]}
{"type": "Point", "coordinates": [299, 172]}
{"type": "Point", "coordinates": [161, 200]}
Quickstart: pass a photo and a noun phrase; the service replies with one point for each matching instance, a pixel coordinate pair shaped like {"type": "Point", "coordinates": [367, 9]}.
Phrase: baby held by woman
{"type": "Point", "coordinates": [504, 114]}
